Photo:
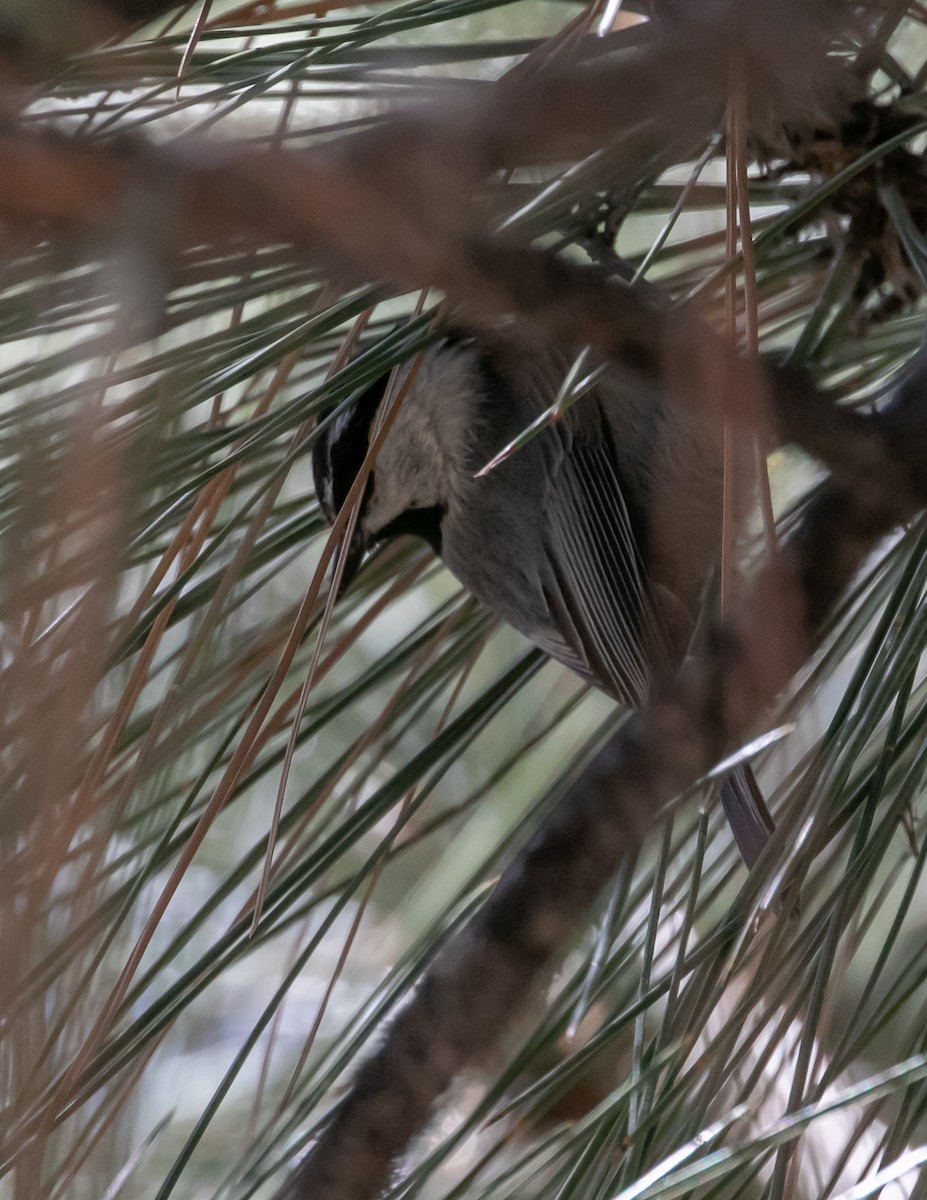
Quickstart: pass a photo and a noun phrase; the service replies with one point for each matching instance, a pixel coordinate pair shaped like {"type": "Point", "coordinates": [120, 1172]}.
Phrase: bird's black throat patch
{"type": "Point", "coordinates": [424, 523]}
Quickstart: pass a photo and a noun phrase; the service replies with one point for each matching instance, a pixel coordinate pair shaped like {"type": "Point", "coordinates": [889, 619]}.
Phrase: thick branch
{"type": "Point", "coordinates": [485, 972]}
{"type": "Point", "coordinates": [403, 202]}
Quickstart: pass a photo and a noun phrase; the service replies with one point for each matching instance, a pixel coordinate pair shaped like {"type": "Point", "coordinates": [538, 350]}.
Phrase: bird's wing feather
{"type": "Point", "coordinates": [583, 595]}
{"type": "Point", "coordinates": [593, 578]}
{"type": "Point", "coordinates": [580, 486]}
{"type": "Point", "coordinates": [599, 599]}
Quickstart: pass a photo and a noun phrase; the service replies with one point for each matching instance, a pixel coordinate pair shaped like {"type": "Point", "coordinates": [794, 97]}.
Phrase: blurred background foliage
{"type": "Point", "coordinates": [172, 1027]}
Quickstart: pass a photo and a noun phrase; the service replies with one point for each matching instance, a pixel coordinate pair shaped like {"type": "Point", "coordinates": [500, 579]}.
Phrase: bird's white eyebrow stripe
{"type": "Point", "coordinates": [328, 489]}
{"type": "Point", "coordinates": [325, 493]}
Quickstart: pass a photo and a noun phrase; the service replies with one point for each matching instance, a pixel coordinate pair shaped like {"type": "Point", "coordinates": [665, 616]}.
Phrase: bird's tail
{"type": "Point", "coordinates": [746, 812]}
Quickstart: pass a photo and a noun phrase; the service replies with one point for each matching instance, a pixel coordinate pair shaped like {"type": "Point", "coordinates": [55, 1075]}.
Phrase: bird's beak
{"type": "Point", "coordinates": [352, 554]}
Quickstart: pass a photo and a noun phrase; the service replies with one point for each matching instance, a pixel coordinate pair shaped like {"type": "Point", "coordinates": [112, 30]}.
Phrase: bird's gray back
{"type": "Point", "coordinates": [555, 539]}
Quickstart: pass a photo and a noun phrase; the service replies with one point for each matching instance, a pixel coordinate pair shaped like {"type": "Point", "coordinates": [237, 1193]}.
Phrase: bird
{"type": "Point", "coordinates": [596, 539]}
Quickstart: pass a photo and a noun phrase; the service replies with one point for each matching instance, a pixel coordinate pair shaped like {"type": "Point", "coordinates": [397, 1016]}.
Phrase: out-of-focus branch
{"type": "Point", "coordinates": [69, 26]}
{"type": "Point", "coordinates": [143, 10]}
{"type": "Point", "coordinates": [553, 297]}
{"type": "Point", "coordinates": [402, 202]}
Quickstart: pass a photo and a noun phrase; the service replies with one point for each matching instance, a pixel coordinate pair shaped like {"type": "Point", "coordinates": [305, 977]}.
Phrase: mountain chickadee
{"type": "Point", "coordinates": [595, 539]}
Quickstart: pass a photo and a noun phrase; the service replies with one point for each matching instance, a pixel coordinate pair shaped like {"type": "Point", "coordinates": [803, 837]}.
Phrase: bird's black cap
{"type": "Point", "coordinates": [341, 447]}
{"type": "Point", "coordinates": [337, 455]}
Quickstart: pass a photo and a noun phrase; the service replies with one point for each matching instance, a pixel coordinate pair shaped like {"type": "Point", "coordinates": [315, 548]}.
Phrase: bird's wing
{"type": "Point", "coordinates": [599, 612]}
{"type": "Point", "coordinates": [579, 491]}
{"type": "Point", "coordinates": [593, 576]}
{"type": "Point", "coordinates": [600, 601]}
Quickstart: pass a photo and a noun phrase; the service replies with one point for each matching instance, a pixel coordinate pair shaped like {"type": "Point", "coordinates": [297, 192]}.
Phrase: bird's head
{"type": "Point", "coordinates": [417, 468]}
